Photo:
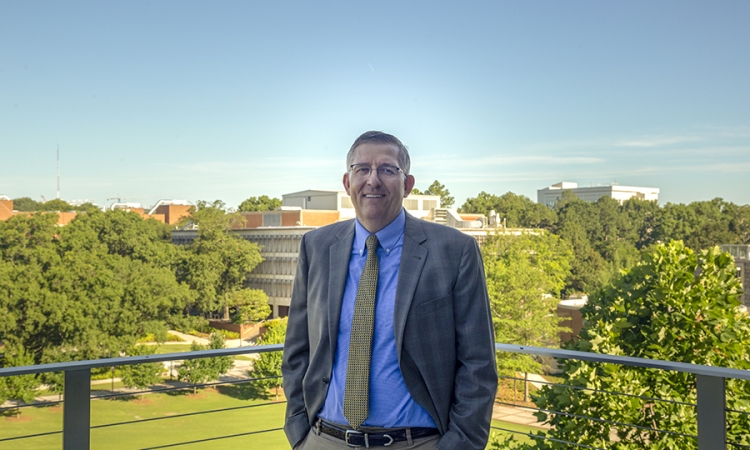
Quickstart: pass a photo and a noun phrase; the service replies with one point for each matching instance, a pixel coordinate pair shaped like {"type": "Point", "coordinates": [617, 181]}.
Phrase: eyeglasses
{"type": "Point", "coordinates": [364, 170]}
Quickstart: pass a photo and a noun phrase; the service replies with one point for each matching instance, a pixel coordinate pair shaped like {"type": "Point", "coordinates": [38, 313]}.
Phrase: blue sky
{"type": "Point", "coordinates": [232, 99]}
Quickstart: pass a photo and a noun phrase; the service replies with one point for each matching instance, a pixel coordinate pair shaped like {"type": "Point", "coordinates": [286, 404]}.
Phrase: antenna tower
{"type": "Point", "coordinates": [58, 171]}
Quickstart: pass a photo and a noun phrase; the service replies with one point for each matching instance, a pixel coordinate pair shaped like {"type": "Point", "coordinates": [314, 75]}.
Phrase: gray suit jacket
{"type": "Point", "coordinates": [442, 325]}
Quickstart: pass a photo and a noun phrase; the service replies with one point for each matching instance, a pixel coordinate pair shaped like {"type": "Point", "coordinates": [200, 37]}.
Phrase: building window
{"type": "Point", "coordinates": [429, 204]}
{"type": "Point", "coordinates": [411, 204]}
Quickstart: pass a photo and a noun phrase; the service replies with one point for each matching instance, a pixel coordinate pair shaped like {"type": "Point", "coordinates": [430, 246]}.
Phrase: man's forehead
{"type": "Point", "coordinates": [374, 150]}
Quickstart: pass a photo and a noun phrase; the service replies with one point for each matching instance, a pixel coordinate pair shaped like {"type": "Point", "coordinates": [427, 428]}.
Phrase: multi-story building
{"type": "Point", "coordinates": [549, 195]}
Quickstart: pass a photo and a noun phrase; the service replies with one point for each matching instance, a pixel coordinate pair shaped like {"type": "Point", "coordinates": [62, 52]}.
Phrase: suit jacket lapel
{"type": "Point", "coordinates": [413, 257]}
{"type": "Point", "coordinates": [338, 265]}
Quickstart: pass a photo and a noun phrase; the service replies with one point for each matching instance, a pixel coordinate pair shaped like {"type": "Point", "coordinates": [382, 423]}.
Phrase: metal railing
{"type": "Point", "coordinates": [710, 385]}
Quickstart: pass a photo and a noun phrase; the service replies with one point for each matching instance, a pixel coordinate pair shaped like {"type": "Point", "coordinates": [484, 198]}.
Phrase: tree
{"type": "Point", "coordinates": [141, 376]}
{"type": "Point", "coordinates": [525, 274]}
{"type": "Point", "coordinates": [202, 370]}
{"type": "Point", "coordinates": [267, 368]}
{"type": "Point", "coordinates": [740, 224]}
{"type": "Point", "coordinates": [677, 305]}
{"type": "Point", "coordinates": [65, 294]}
{"type": "Point", "coordinates": [216, 262]}
{"type": "Point", "coordinates": [262, 203]}
{"type": "Point", "coordinates": [20, 387]}
{"type": "Point", "coordinates": [515, 211]}
{"type": "Point", "coordinates": [248, 305]}
{"type": "Point", "coordinates": [26, 204]}
{"type": "Point", "coordinates": [436, 188]}
{"type": "Point", "coordinates": [578, 224]}
{"type": "Point", "coordinates": [56, 205]}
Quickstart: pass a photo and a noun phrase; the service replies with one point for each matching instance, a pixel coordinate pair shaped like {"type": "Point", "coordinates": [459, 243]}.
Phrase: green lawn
{"type": "Point", "coordinates": [263, 414]}
{"type": "Point", "coordinates": [143, 434]}
{"type": "Point", "coordinates": [172, 348]}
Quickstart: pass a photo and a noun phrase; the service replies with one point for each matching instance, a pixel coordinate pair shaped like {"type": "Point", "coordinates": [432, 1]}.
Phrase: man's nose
{"type": "Point", "coordinates": [374, 179]}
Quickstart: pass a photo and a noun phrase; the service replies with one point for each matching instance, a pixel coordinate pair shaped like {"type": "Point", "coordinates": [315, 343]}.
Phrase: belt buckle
{"type": "Point", "coordinates": [355, 432]}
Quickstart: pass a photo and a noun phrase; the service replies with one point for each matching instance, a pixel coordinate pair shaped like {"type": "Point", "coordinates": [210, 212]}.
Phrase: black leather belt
{"type": "Point", "coordinates": [354, 438]}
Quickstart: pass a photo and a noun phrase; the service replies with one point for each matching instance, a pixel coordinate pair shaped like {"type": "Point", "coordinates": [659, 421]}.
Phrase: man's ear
{"type": "Point", "coordinates": [408, 185]}
{"type": "Point", "coordinates": [346, 183]}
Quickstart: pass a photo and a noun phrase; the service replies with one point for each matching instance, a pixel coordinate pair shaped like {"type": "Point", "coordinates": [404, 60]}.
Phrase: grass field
{"type": "Point", "coordinates": [195, 431]}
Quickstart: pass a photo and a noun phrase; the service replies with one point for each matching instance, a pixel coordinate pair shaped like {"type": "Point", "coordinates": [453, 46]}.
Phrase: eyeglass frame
{"type": "Point", "coordinates": [352, 168]}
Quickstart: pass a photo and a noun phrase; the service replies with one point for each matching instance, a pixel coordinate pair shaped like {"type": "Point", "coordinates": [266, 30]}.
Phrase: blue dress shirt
{"type": "Point", "coordinates": [391, 405]}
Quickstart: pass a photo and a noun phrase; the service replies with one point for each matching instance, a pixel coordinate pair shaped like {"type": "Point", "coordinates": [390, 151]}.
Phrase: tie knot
{"type": "Point", "coordinates": [372, 243]}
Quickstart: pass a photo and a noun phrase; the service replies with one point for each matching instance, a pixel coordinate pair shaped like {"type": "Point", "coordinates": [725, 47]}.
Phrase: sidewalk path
{"type": "Point", "coordinates": [189, 339]}
{"type": "Point", "coordinates": [519, 415]}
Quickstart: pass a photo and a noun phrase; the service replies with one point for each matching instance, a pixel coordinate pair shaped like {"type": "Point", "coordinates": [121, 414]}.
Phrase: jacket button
{"type": "Point", "coordinates": [326, 380]}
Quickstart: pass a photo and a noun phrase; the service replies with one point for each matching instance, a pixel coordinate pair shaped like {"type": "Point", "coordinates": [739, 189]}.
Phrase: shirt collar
{"type": "Point", "coordinates": [388, 237]}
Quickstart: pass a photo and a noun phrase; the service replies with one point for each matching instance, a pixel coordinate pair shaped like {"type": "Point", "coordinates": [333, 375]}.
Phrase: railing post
{"type": "Point", "coordinates": [77, 410]}
{"type": "Point", "coordinates": [712, 423]}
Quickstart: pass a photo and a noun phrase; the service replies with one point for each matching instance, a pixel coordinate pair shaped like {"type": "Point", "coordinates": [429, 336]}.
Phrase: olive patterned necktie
{"type": "Point", "coordinates": [356, 392]}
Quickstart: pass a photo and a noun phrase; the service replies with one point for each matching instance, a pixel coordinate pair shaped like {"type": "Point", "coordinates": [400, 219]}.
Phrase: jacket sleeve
{"type": "Point", "coordinates": [476, 370]}
{"type": "Point", "coordinates": [296, 357]}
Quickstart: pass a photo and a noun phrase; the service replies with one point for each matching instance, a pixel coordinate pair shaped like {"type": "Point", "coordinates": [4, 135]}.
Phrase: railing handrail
{"type": "Point", "coordinates": [130, 360]}
{"type": "Point", "coordinates": [697, 369]}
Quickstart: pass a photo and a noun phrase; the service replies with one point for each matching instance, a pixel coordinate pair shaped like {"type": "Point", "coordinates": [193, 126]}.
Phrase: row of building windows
{"type": "Point", "coordinates": [277, 244]}
{"type": "Point", "coordinates": [272, 287]}
{"type": "Point", "coordinates": [284, 265]}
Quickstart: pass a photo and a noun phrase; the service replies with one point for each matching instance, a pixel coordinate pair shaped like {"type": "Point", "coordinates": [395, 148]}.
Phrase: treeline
{"type": "Point", "coordinates": [92, 288]}
{"type": "Point", "coordinates": [27, 204]}
{"type": "Point", "coordinates": [607, 236]}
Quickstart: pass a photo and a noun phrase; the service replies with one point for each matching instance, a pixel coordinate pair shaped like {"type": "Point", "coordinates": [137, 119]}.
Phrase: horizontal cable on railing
{"type": "Point", "coordinates": [582, 388]}
{"type": "Point", "coordinates": [179, 388]}
{"type": "Point", "coordinates": [744, 413]}
{"type": "Point", "coordinates": [29, 405]}
{"type": "Point", "coordinates": [174, 416]}
{"type": "Point", "coordinates": [29, 436]}
{"type": "Point", "coordinates": [622, 424]}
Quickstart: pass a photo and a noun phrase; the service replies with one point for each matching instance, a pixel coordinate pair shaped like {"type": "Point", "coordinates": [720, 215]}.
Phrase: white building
{"type": "Point", "coordinates": [548, 196]}
{"type": "Point", "coordinates": [418, 205]}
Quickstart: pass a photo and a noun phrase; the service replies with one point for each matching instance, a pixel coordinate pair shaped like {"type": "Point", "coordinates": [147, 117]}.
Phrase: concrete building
{"type": "Point", "coordinates": [549, 195]}
{"type": "Point", "coordinates": [741, 255]}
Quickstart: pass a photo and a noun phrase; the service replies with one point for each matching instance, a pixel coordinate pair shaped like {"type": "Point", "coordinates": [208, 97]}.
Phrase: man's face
{"type": "Point", "coordinates": [377, 198]}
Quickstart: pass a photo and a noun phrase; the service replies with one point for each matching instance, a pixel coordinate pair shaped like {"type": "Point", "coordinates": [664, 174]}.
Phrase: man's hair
{"type": "Point", "coordinates": [378, 137]}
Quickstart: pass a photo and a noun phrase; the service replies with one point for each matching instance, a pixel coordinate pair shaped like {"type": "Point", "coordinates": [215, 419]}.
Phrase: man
{"type": "Point", "coordinates": [390, 339]}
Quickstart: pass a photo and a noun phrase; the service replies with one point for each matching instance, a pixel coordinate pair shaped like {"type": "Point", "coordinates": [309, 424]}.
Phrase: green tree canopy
{"type": "Point", "coordinates": [65, 294]}
{"type": "Point", "coordinates": [677, 305]}
{"type": "Point", "coordinates": [216, 262]}
{"type": "Point", "coordinates": [141, 376]}
{"type": "Point", "coordinates": [197, 371]}
{"type": "Point", "coordinates": [267, 368]}
{"type": "Point", "coordinates": [248, 305]}
{"type": "Point", "coordinates": [517, 211]}
{"type": "Point", "coordinates": [525, 274]}
{"type": "Point", "coordinates": [26, 204]}
{"type": "Point", "coordinates": [262, 203]}
{"type": "Point", "coordinates": [436, 188]}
